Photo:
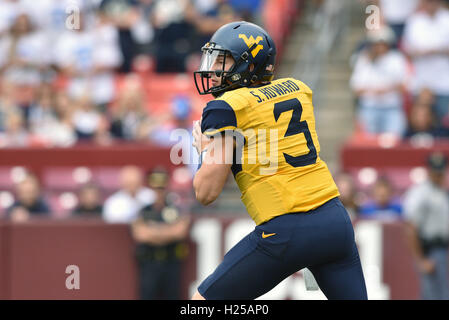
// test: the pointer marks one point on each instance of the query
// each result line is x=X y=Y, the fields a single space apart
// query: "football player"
x=290 y=194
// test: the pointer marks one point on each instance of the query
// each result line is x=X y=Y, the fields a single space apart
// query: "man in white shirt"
x=89 y=57
x=396 y=12
x=378 y=80
x=23 y=53
x=124 y=205
x=426 y=40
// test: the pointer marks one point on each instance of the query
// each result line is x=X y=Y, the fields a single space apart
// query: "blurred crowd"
x=401 y=72
x=400 y=81
x=401 y=84
x=422 y=209
x=122 y=203
x=59 y=61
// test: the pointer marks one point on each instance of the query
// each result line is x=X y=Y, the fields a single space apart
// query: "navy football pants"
x=321 y=240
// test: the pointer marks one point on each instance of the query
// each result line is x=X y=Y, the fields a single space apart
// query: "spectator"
x=395 y=14
x=3 y=116
x=123 y=14
x=378 y=81
x=42 y=110
x=426 y=40
x=383 y=205
x=422 y=124
x=8 y=14
x=15 y=134
x=7 y=104
x=28 y=201
x=168 y=133
x=86 y=119
x=248 y=9
x=23 y=58
x=142 y=30
x=89 y=204
x=88 y=58
x=180 y=112
x=130 y=119
x=426 y=96
x=103 y=135
x=426 y=211
x=172 y=34
x=53 y=17
x=53 y=127
x=124 y=205
x=208 y=16
x=160 y=232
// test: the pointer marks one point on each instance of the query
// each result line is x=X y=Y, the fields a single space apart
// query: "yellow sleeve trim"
x=213 y=132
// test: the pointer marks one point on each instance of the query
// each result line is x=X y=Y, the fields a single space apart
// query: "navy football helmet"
x=253 y=52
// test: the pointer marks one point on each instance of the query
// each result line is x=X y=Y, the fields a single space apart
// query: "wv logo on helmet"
x=249 y=42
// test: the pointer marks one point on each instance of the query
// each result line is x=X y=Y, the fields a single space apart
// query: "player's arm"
x=216 y=149
x=216 y=162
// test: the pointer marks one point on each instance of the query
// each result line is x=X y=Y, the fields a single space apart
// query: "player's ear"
x=251 y=67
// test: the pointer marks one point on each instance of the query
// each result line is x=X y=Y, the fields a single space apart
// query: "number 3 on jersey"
x=296 y=126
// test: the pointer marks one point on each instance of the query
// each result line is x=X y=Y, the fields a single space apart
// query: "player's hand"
x=426 y=266
x=200 y=141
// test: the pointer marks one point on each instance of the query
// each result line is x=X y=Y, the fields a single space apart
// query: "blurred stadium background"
x=89 y=87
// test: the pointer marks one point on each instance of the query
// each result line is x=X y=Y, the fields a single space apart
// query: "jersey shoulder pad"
x=302 y=86
x=236 y=99
x=218 y=116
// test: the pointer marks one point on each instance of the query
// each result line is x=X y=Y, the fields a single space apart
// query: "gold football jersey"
x=278 y=169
